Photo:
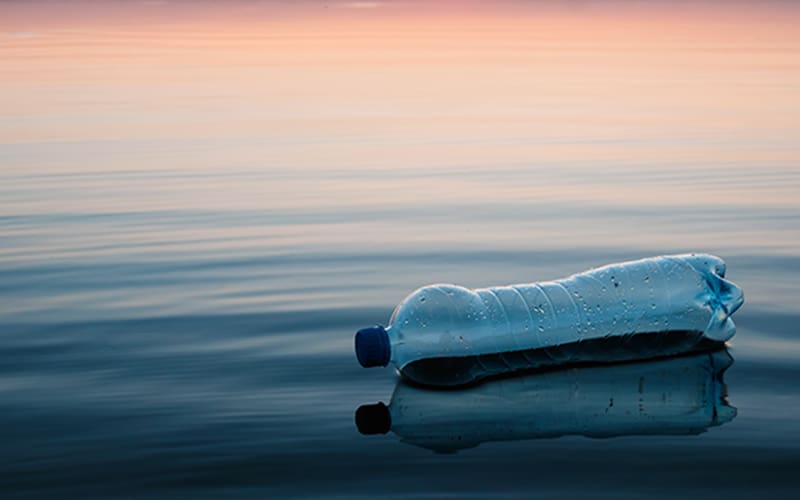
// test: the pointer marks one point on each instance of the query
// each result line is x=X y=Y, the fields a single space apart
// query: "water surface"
x=200 y=203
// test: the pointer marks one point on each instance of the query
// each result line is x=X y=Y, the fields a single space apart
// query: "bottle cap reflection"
x=684 y=395
x=373 y=419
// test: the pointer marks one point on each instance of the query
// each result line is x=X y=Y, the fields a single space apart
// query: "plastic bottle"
x=447 y=335
x=683 y=395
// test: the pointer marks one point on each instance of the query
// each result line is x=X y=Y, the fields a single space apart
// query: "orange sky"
x=22 y=15
x=403 y=82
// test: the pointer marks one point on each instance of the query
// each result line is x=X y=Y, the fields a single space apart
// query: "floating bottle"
x=683 y=395
x=447 y=335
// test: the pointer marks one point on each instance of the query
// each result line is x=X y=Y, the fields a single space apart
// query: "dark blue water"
x=254 y=404
x=192 y=228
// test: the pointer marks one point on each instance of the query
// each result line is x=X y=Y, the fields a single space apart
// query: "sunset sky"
x=509 y=68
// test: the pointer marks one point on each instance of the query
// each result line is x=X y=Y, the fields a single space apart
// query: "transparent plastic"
x=450 y=335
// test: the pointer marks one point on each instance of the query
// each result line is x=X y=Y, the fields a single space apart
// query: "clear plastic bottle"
x=683 y=395
x=447 y=335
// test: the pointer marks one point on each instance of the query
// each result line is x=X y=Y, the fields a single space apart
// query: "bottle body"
x=451 y=335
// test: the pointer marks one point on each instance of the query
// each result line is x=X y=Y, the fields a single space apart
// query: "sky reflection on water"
x=201 y=202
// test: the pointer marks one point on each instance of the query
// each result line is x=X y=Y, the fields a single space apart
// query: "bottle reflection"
x=683 y=395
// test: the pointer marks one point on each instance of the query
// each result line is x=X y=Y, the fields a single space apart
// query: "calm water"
x=200 y=203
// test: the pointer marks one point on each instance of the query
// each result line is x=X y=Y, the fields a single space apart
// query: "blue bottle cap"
x=372 y=346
